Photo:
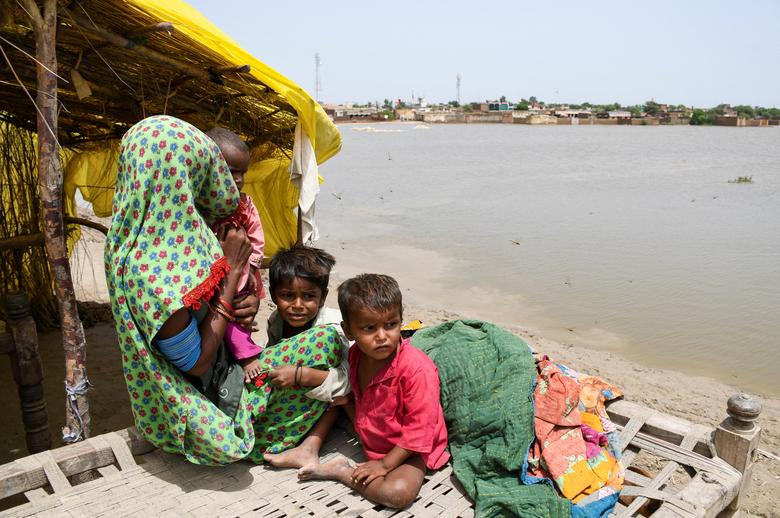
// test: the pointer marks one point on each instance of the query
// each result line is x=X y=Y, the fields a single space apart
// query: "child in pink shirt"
x=237 y=338
x=398 y=414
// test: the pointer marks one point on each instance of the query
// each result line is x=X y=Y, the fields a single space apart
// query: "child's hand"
x=252 y=370
x=283 y=376
x=366 y=472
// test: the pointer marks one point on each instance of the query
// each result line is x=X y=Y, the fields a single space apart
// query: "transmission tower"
x=457 y=87
x=317 y=85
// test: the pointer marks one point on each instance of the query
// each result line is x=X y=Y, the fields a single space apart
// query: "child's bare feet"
x=302 y=455
x=339 y=468
x=252 y=369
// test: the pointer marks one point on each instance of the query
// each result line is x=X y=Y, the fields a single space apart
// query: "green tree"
x=652 y=108
x=387 y=104
x=454 y=104
x=532 y=99
x=769 y=113
x=745 y=111
x=703 y=117
x=502 y=99
x=636 y=110
x=522 y=105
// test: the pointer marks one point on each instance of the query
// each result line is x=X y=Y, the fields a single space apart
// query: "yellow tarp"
x=267 y=181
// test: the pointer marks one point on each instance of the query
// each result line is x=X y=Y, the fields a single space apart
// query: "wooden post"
x=28 y=372
x=736 y=438
x=44 y=23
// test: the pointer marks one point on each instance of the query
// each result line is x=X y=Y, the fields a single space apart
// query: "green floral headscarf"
x=160 y=256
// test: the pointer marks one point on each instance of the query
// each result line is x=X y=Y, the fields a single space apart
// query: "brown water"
x=627 y=238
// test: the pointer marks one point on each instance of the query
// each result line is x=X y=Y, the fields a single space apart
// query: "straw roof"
x=119 y=61
x=132 y=64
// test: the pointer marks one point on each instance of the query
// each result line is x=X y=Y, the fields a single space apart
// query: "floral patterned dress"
x=161 y=256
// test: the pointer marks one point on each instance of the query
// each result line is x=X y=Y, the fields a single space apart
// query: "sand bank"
x=697 y=399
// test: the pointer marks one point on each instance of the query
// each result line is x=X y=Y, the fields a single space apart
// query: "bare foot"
x=302 y=455
x=339 y=468
x=252 y=369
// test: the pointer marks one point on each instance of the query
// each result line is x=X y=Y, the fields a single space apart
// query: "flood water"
x=622 y=238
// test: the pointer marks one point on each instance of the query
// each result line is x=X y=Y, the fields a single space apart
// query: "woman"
x=172 y=284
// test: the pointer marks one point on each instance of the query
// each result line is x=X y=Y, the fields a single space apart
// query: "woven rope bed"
x=131 y=477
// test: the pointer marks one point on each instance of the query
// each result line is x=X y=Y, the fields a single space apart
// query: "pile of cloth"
x=527 y=438
x=576 y=444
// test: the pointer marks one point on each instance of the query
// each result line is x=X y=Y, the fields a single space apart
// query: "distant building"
x=573 y=114
x=405 y=114
x=725 y=120
x=495 y=106
x=619 y=114
x=342 y=112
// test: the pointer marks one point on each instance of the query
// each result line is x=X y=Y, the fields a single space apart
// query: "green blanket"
x=486 y=377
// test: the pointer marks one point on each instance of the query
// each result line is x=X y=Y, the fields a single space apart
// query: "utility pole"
x=457 y=87
x=317 y=85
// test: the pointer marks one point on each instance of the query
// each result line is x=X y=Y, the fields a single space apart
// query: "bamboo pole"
x=50 y=180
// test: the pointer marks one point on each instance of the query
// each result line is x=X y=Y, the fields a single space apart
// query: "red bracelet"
x=225 y=304
x=222 y=311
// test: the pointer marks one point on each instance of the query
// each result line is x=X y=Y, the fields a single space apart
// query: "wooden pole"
x=50 y=180
x=28 y=372
x=736 y=439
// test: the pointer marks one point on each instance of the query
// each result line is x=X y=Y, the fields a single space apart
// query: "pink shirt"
x=254 y=231
x=400 y=406
x=247 y=217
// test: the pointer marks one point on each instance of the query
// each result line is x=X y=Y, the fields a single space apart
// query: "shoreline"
x=368 y=122
x=698 y=399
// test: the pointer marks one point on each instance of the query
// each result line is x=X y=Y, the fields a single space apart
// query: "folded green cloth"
x=487 y=376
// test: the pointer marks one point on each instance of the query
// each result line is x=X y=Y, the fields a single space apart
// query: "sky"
x=699 y=53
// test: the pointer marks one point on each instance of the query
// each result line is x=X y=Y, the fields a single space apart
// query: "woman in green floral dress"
x=172 y=283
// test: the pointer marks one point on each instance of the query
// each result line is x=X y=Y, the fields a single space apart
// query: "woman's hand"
x=236 y=247
x=245 y=310
x=283 y=376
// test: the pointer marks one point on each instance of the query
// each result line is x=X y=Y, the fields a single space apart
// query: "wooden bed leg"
x=736 y=438
x=28 y=372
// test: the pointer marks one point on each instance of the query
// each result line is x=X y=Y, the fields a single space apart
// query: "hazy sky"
x=692 y=52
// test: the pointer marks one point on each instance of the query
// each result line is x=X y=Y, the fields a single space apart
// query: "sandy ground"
x=699 y=400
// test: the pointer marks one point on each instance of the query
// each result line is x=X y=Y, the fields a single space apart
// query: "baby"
x=398 y=414
x=238 y=339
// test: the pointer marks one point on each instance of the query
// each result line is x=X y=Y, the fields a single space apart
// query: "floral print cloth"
x=161 y=256
x=571 y=447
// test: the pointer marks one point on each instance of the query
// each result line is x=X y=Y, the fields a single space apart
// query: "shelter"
x=118 y=62
x=74 y=76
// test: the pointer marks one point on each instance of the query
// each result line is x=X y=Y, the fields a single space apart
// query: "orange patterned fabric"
x=560 y=452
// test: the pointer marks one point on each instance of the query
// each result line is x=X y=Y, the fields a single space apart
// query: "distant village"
x=532 y=111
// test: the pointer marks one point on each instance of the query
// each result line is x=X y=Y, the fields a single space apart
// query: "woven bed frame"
x=131 y=477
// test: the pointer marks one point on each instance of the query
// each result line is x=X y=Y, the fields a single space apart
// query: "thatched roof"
x=136 y=64
x=120 y=61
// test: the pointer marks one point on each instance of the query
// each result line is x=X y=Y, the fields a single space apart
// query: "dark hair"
x=312 y=264
x=224 y=138
x=370 y=290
